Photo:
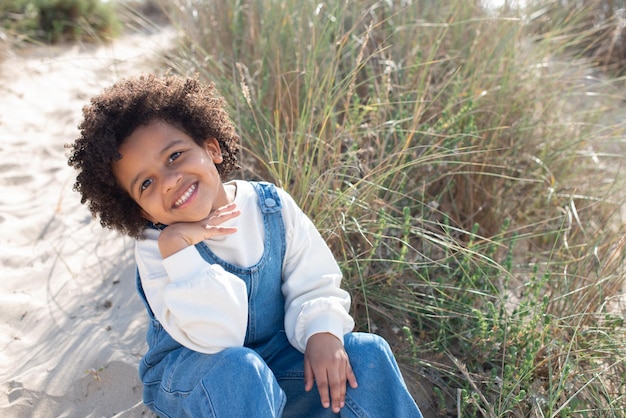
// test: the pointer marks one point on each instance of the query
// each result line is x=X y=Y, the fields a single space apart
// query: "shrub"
x=60 y=20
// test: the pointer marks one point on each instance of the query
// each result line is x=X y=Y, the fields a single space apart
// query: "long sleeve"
x=314 y=301
x=200 y=305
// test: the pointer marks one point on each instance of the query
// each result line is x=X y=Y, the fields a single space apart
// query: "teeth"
x=186 y=196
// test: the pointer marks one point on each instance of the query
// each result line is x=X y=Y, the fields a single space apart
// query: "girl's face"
x=171 y=177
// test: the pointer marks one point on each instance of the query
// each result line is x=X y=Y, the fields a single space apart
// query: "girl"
x=246 y=311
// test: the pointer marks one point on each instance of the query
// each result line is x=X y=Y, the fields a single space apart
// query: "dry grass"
x=464 y=172
x=451 y=161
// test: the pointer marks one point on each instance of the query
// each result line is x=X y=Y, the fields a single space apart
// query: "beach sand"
x=72 y=328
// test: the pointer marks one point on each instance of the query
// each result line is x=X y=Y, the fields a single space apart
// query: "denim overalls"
x=265 y=378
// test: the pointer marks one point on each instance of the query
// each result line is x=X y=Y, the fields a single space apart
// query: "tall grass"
x=594 y=29
x=463 y=174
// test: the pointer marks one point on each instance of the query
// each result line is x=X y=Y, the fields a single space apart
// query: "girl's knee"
x=369 y=352
x=240 y=363
x=231 y=365
x=233 y=382
x=373 y=344
x=240 y=384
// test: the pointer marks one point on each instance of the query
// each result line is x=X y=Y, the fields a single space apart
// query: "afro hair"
x=111 y=117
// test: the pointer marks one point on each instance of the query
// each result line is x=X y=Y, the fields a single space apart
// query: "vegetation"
x=59 y=20
x=594 y=29
x=463 y=166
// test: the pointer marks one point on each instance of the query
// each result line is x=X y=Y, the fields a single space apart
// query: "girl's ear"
x=212 y=148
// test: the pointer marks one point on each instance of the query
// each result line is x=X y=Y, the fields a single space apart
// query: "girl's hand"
x=181 y=235
x=326 y=362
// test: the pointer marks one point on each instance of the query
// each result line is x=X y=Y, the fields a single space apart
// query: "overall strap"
x=142 y=294
x=269 y=201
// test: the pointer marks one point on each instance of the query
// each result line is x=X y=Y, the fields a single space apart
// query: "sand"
x=72 y=328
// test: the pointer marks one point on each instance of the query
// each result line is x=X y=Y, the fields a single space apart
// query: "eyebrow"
x=165 y=150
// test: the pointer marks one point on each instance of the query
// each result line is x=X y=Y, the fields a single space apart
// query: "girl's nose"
x=170 y=180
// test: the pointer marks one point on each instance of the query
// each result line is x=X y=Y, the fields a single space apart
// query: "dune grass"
x=52 y=21
x=465 y=168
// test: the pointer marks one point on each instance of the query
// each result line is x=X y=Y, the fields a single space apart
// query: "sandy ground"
x=71 y=325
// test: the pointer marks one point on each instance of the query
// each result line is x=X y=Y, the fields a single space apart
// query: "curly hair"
x=111 y=117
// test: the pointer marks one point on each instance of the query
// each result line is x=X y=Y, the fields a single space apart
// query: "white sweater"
x=205 y=308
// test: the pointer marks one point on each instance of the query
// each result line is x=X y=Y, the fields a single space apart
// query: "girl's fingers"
x=337 y=391
x=351 y=377
x=226 y=208
x=216 y=231
x=221 y=218
x=222 y=215
x=308 y=376
x=322 y=387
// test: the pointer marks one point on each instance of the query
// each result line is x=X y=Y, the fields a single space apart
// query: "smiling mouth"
x=181 y=200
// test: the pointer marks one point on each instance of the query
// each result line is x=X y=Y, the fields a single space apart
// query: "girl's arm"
x=314 y=301
x=200 y=305
x=316 y=317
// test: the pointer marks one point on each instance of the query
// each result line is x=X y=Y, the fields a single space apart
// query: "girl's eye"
x=173 y=157
x=145 y=184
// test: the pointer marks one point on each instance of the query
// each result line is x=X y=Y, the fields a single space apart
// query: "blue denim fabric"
x=265 y=378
